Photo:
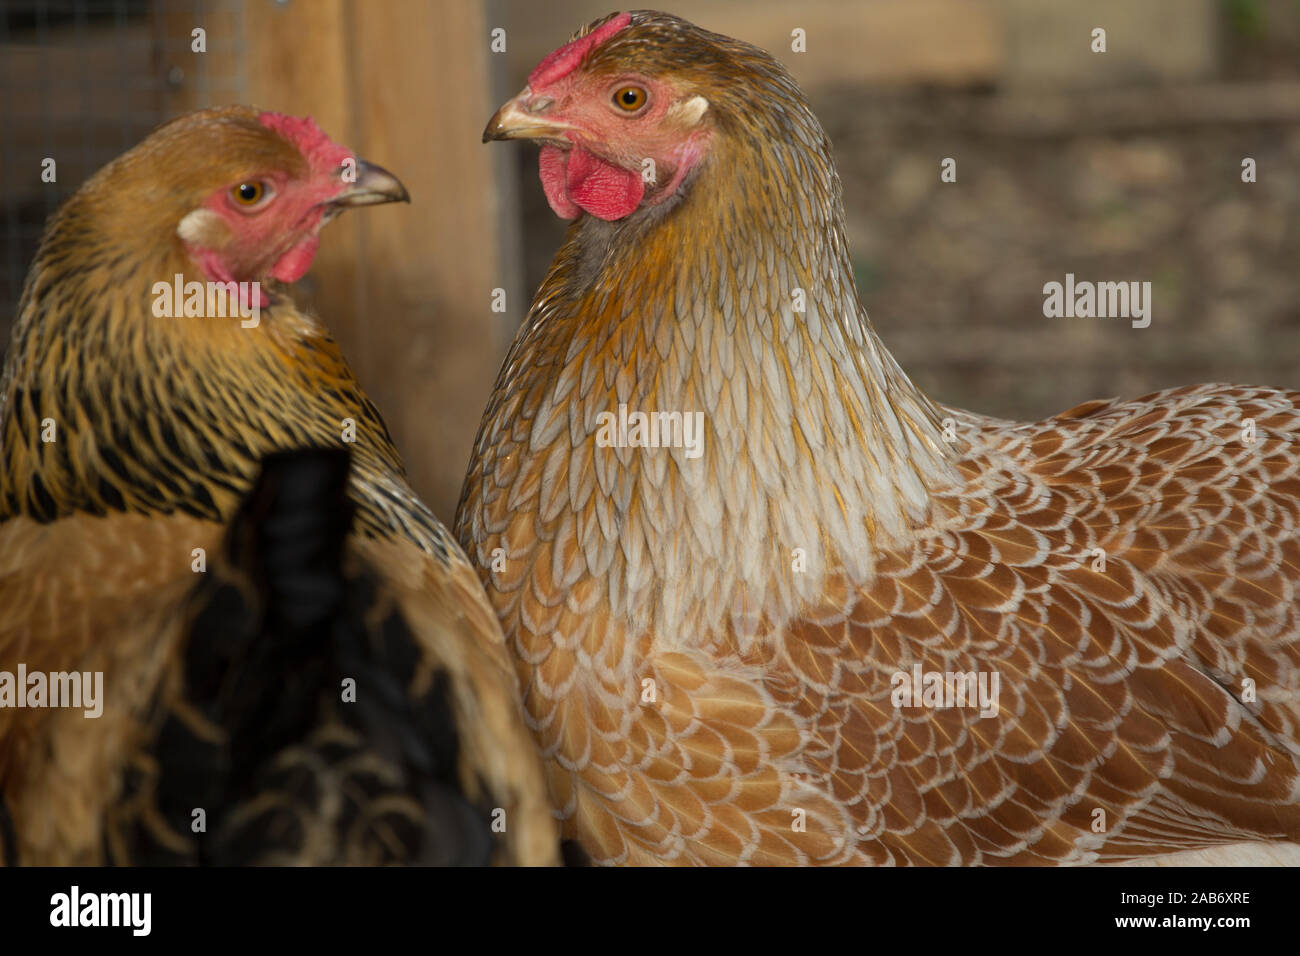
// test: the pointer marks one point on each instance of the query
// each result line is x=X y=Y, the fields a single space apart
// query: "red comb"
x=565 y=60
x=321 y=152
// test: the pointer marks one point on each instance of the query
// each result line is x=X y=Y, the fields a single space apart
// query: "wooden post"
x=405 y=289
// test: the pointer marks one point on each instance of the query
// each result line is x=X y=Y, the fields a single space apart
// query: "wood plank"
x=884 y=41
x=423 y=76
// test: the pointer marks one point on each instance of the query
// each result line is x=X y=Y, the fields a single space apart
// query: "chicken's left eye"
x=630 y=98
x=248 y=194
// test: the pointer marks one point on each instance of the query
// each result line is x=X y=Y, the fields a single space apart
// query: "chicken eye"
x=630 y=98
x=248 y=194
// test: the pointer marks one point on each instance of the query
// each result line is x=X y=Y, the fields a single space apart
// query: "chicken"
x=799 y=613
x=259 y=733
x=128 y=438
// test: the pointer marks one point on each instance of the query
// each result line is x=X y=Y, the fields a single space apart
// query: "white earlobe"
x=689 y=112
x=200 y=227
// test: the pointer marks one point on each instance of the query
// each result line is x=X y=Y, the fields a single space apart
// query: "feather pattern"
x=711 y=677
x=160 y=428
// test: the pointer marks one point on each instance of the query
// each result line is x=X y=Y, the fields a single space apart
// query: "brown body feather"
x=161 y=423
x=703 y=695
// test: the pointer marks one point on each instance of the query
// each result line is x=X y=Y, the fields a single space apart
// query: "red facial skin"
x=278 y=235
x=601 y=173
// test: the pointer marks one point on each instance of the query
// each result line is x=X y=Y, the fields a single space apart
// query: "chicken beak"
x=521 y=118
x=373 y=185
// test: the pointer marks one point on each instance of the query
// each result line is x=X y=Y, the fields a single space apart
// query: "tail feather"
x=295 y=730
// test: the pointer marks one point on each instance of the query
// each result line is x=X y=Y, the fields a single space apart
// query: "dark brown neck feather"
x=171 y=415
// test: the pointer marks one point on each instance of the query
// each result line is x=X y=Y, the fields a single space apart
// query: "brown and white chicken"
x=129 y=440
x=718 y=641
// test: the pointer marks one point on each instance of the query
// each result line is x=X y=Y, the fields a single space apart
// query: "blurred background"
x=1123 y=165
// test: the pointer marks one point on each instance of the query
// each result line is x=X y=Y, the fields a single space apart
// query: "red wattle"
x=603 y=189
x=551 y=168
x=293 y=265
x=578 y=180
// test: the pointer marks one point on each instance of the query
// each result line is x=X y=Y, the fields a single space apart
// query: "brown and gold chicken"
x=128 y=440
x=714 y=641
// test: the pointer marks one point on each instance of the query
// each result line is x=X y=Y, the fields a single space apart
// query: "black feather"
x=295 y=773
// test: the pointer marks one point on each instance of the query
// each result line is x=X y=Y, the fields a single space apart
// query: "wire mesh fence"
x=81 y=81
